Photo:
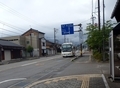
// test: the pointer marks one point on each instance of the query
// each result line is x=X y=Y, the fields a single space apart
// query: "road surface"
x=21 y=74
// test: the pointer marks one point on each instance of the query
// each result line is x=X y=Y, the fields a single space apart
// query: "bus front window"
x=66 y=48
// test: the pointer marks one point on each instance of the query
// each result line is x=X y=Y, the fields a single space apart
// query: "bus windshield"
x=66 y=48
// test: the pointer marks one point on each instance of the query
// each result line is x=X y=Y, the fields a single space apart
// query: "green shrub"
x=97 y=55
x=106 y=56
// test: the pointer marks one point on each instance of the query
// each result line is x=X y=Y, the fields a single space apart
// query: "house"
x=9 y=50
x=42 y=44
x=32 y=38
x=114 y=45
x=50 y=48
x=35 y=39
x=20 y=40
x=115 y=12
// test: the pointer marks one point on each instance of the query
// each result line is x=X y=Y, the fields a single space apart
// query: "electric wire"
x=12 y=11
x=18 y=14
x=9 y=30
x=12 y=26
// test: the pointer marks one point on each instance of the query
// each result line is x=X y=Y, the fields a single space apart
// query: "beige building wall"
x=20 y=40
x=33 y=41
x=14 y=39
x=41 y=35
x=30 y=38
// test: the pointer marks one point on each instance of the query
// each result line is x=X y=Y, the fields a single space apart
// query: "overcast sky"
x=18 y=16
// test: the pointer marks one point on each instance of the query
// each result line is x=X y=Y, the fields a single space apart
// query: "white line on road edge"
x=29 y=64
x=12 y=80
x=36 y=62
x=106 y=84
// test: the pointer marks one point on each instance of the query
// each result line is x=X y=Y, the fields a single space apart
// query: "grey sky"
x=44 y=15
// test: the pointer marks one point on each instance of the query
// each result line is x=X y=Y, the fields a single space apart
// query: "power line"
x=9 y=30
x=16 y=13
x=12 y=26
x=6 y=34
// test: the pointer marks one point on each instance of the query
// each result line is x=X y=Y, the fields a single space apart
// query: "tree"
x=30 y=50
x=95 y=36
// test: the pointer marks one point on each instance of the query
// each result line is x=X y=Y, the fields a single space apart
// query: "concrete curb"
x=105 y=81
x=74 y=59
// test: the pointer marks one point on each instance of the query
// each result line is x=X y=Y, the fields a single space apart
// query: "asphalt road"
x=23 y=73
x=18 y=75
x=84 y=65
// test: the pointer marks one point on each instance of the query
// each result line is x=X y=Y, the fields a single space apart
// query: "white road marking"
x=35 y=62
x=29 y=64
x=98 y=66
x=12 y=80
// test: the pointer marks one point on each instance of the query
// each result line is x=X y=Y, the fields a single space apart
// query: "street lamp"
x=80 y=30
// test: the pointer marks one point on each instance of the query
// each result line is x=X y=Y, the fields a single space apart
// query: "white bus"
x=67 y=50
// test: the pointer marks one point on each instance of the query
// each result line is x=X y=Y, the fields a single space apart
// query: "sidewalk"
x=76 y=81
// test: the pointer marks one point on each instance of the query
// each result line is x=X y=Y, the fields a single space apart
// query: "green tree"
x=30 y=50
x=95 y=37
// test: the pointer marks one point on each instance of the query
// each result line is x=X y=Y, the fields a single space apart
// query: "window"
x=27 y=42
x=66 y=46
x=43 y=44
x=13 y=40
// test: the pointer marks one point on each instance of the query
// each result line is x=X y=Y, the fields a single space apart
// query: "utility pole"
x=99 y=21
x=64 y=38
x=55 y=31
x=92 y=14
x=80 y=30
x=67 y=39
x=103 y=30
x=81 y=38
x=0 y=54
x=99 y=15
x=54 y=35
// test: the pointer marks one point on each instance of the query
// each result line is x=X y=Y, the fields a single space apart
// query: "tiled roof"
x=115 y=12
x=8 y=43
x=33 y=30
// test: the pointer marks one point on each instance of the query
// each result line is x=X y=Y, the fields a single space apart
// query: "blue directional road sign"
x=67 y=29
